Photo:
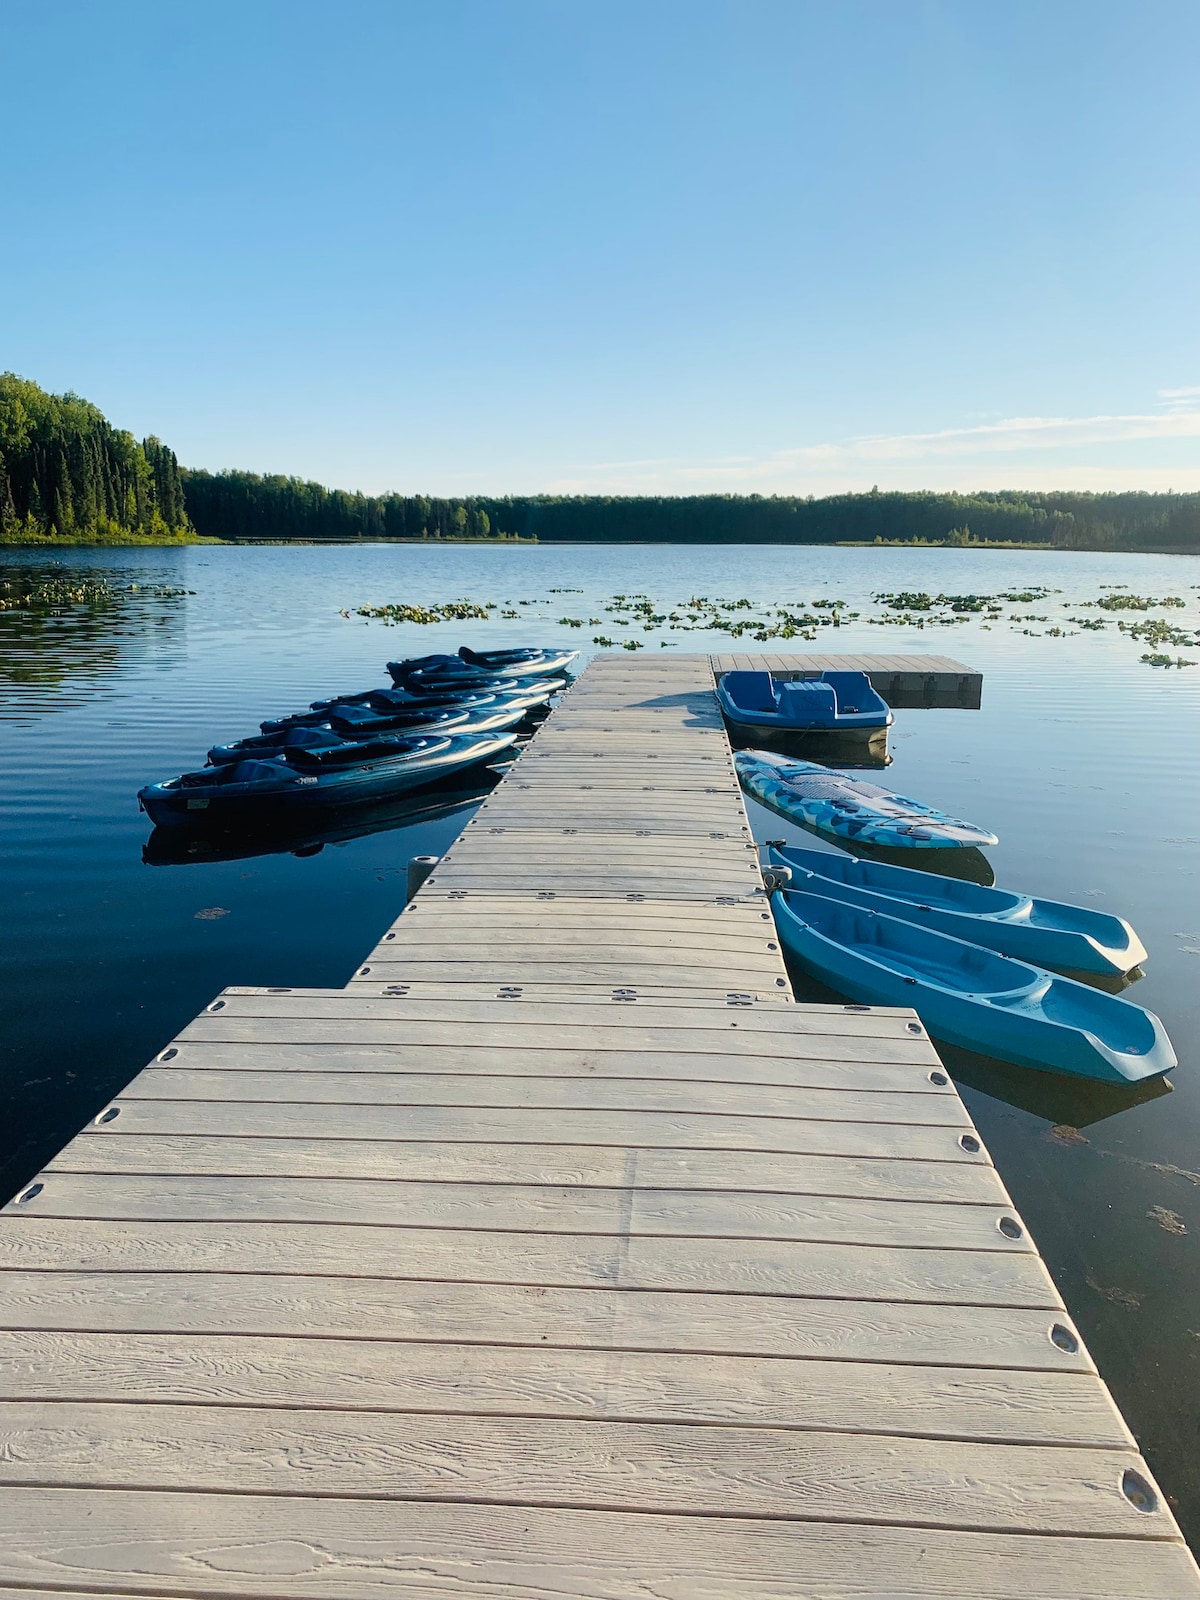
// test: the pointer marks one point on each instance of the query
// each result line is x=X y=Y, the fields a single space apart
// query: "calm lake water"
x=1083 y=760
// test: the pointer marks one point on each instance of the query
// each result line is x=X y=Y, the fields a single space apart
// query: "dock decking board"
x=561 y=1253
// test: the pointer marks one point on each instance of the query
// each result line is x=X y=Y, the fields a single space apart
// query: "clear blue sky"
x=666 y=245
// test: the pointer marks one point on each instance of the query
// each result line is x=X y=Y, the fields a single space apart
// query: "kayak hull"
x=280 y=789
x=846 y=807
x=970 y=996
x=1043 y=932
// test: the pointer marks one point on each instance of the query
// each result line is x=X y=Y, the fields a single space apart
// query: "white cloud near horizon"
x=958 y=453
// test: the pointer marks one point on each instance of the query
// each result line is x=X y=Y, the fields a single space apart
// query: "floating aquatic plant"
x=451 y=611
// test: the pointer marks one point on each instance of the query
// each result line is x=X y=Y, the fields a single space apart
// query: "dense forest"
x=241 y=505
x=67 y=473
x=244 y=505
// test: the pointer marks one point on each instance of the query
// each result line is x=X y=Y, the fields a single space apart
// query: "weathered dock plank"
x=560 y=1253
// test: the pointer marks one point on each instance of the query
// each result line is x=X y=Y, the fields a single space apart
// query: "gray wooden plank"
x=813 y=1269
x=464 y=967
x=318 y=1004
x=930 y=1134
x=654 y=1467
x=262 y=1546
x=634 y=1211
x=577 y=1165
x=800 y=1329
x=822 y=1062
x=348 y=1374
x=447 y=982
x=940 y=1106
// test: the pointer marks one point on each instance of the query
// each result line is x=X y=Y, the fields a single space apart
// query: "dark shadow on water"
x=185 y=846
x=1059 y=1098
x=847 y=752
x=969 y=863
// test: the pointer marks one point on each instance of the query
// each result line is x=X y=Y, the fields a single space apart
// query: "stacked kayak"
x=836 y=702
x=1045 y=932
x=971 y=996
x=326 y=735
x=470 y=667
x=306 y=777
x=512 y=703
x=849 y=808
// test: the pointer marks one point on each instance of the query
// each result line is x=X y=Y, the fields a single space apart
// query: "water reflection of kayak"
x=307 y=836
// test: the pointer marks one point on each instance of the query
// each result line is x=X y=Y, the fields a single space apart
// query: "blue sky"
x=589 y=245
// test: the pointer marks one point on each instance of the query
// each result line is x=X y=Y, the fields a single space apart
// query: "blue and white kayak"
x=468 y=670
x=845 y=806
x=1044 y=932
x=307 y=779
x=527 y=661
x=836 y=702
x=422 y=692
x=387 y=703
x=970 y=996
x=324 y=736
x=361 y=722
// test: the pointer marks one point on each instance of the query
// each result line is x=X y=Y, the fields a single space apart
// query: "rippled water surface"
x=1082 y=759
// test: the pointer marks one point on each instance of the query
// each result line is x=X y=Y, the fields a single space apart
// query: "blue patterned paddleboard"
x=837 y=803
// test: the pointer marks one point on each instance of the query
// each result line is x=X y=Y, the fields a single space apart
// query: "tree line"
x=66 y=472
x=242 y=505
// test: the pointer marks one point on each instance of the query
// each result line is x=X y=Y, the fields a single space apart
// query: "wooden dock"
x=559 y=1255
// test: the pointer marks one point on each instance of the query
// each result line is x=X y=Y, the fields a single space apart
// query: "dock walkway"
x=559 y=1255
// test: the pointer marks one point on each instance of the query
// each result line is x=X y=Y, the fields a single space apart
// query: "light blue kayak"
x=1042 y=931
x=849 y=808
x=835 y=702
x=970 y=996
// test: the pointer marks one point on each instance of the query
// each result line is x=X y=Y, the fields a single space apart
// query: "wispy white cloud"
x=944 y=457
x=1185 y=400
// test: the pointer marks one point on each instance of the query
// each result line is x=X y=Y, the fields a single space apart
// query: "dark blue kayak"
x=324 y=735
x=970 y=996
x=310 y=778
x=1045 y=932
x=469 y=666
x=360 y=722
x=836 y=702
x=397 y=702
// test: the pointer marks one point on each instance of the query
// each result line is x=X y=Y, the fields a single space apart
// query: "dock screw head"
x=1138 y=1492
x=1063 y=1338
x=969 y=1143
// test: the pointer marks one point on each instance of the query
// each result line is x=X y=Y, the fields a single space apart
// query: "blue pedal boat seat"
x=834 y=702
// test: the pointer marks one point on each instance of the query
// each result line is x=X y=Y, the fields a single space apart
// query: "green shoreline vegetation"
x=68 y=477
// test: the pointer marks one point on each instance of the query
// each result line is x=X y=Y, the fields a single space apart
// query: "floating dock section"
x=903 y=681
x=561 y=1254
